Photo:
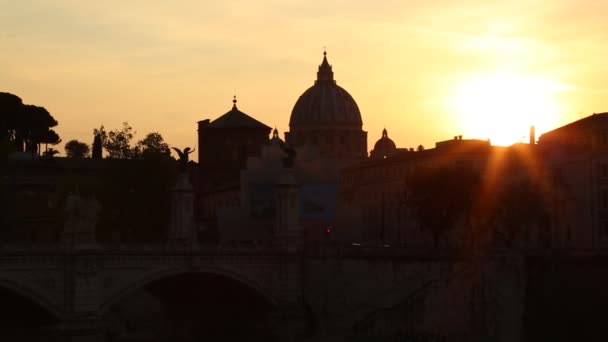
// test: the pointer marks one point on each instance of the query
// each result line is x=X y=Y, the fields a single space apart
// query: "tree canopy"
x=117 y=144
x=97 y=152
x=153 y=143
x=76 y=149
x=10 y=105
x=522 y=206
x=25 y=126
x=440 y=197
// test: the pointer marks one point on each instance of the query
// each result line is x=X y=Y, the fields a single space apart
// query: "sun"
x=502 y=106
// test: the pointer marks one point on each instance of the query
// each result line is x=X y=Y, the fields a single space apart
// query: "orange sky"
x=426 y=72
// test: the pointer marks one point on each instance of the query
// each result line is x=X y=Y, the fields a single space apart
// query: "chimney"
x=532 y=136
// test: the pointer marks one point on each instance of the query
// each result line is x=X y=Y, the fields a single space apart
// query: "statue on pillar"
x=183 y=157
x=287 y=220
x=182 y=227
x=82 y=214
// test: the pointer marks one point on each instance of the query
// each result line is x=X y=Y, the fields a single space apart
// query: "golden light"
x=502 y=106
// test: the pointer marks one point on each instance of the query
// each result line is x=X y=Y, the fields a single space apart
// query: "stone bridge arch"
x=36 y=296
x=124 y=291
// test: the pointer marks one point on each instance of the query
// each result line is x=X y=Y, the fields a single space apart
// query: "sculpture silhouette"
x=183 y=156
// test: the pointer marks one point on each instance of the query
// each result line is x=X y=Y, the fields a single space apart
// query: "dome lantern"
x=325 y=73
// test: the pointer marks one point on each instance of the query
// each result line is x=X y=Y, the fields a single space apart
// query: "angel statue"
x=183 y=156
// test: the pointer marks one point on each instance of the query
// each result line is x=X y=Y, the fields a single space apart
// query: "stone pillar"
x=287 y=228
x=78 y=329
x=289 y=323
x=79 y=228
x=182 y=227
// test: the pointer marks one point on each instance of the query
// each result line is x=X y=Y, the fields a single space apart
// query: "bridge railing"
x=140 y=248
x=322 y=250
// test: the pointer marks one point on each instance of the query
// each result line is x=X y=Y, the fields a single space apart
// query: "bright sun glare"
x=503 y=106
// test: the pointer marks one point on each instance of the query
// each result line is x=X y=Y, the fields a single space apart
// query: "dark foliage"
x=76 y=149
x=25 y=126
x=50 y=153
x=521 y=205
x=117 y=143
x=10 y=106
x=33 y=126
x=97 y=147
x=50 y=137
x=152 y=144
x=441 y=197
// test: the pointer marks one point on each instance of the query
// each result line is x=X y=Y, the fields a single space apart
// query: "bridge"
x=286 y=288
x=78 y=285
x=301 y=293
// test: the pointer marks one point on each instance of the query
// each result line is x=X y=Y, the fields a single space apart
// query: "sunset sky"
x=424 y=71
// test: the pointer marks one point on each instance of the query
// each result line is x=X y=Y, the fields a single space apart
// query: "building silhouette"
x=239 y=164
x=328 y=117
x=309 y=238
x=224 y=145
x=575 y=158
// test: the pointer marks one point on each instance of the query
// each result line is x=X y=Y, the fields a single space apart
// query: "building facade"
x=373 y=207
x=576 y=161
x=240 y=165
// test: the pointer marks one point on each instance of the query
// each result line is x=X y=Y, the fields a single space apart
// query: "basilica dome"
x=325 y=103
x=327 y=118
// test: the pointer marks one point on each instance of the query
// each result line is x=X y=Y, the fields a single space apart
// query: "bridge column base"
x=290 y=324
x=80 y=329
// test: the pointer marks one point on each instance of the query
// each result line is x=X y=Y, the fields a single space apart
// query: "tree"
x=50 y=137
x=522 y=206
x=50 y=153
x=33 y=127
x=10 y=105
x=76 y=149
x=153 y=143
x=118 y=142
x=97 y=145
x=25 y=126
x=441 y=197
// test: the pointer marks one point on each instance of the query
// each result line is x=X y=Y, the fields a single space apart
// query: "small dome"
x=384 y=146
x=275 y=140
x=325 y=103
